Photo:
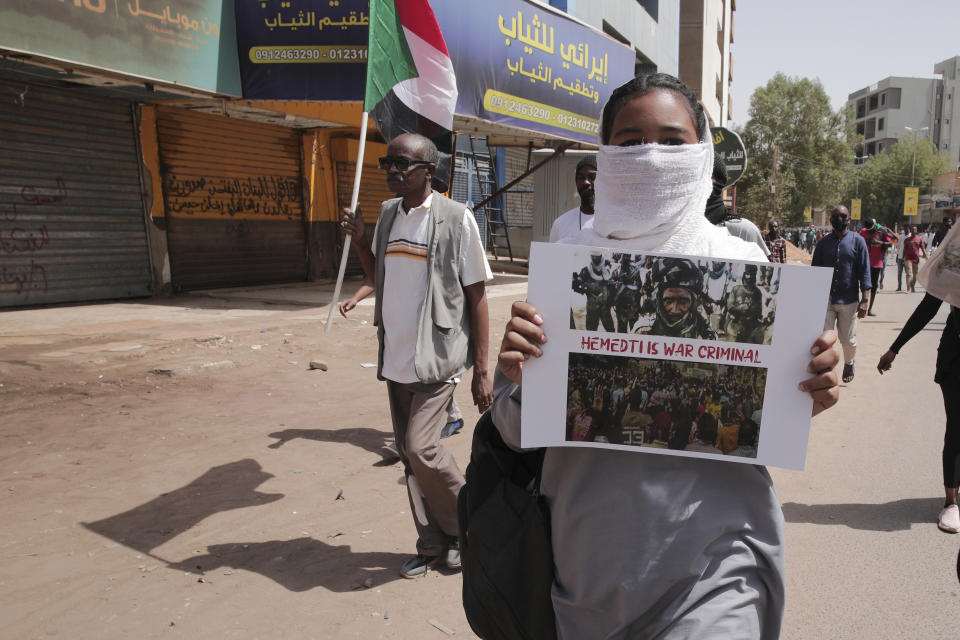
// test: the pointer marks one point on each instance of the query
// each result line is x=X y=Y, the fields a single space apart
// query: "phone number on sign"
x=308 y=54
x=581 y=124
x=510 y=105
x=506 y=104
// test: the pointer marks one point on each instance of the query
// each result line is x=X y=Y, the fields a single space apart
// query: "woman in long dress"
x=649 y=546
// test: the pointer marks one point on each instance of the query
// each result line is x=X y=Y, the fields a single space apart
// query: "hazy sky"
x=847 y=44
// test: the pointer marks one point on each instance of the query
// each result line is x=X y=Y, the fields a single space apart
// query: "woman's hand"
x=824 y=386
x=521 y=340
x=886 y=361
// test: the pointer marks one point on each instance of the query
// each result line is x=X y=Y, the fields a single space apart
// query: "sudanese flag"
x=411 y=87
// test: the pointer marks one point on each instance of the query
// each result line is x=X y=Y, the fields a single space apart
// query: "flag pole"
x=353 y=207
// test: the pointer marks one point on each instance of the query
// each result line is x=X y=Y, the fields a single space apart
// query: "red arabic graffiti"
x=26 y=239
x=32 y=197
x=25 y=279
x=20 y=240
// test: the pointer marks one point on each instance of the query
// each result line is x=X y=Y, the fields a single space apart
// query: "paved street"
x=171 y=468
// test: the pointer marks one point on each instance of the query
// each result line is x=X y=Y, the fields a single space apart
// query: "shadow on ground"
x=899 y=515
x=301 y=564
x=367 y=439
x=222 y=488
x=298 y=565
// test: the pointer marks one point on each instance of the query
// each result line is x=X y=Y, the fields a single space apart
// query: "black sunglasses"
x=401 y=163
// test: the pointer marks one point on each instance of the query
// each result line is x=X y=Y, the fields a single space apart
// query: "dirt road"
x=173 y=469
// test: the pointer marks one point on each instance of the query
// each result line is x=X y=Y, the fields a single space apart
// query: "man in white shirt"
x=428 y=267
x=567 y=227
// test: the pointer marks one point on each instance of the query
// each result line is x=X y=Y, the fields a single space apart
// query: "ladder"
x=497 y=228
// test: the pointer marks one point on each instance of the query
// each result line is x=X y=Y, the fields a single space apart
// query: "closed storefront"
x=373 y=186
x=233 y=200
x=72 y=221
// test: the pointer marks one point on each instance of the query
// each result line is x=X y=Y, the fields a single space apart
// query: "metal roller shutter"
x=373 y=191
x=233 y=197
x=72 y=222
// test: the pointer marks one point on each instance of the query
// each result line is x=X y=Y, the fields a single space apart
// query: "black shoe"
x=417 y=565
x=871 y=313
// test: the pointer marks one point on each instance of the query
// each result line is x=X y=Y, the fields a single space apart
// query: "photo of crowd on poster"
x=620 y=292
x=695 y=407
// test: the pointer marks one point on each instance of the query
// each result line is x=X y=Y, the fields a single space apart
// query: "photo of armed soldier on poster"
x=694 y=407
x=620 y=292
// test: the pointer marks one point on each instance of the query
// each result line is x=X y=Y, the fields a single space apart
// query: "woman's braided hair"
x=642 y=85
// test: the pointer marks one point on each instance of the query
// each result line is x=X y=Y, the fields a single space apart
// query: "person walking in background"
x=900 y=242
x=941 y=233
x=947 y=375
x=846 y=253
x=913 y=248
x=719 y=214
x=428 y=268
x=776 y=245
x=568 y=226
x=878 y=238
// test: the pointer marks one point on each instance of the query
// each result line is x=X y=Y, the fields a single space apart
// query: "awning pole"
x=556 y=152
x=353 y=207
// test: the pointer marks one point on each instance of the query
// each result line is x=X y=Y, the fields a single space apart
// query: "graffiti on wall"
x=20 y=236
x=261 y=197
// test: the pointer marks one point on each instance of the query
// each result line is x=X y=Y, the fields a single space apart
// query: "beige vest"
x=444 y=348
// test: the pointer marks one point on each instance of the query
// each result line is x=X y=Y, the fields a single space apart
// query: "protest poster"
x=676 y=355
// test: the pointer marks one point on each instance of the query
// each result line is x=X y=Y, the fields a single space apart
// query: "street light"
x=913 y=162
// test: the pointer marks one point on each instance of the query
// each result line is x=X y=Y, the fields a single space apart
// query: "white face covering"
x=655 y=191
x=653 y=197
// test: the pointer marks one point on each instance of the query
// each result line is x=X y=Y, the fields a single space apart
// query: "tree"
x=883 y=177
x=798 y=144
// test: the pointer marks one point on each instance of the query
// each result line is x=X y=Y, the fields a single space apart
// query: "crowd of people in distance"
x=806 y=238
x=676 y=297
x=698 y=407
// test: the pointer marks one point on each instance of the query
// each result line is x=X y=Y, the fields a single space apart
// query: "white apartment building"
x=946 y=121
x=925 y=107
x=894 y=107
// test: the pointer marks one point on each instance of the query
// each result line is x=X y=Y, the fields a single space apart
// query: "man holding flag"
x=428 y=268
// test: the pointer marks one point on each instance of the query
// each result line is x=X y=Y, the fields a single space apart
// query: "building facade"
x=894 y=107
x=706 y=60
x=897 y=106
x=946 y=122
x=649 y=27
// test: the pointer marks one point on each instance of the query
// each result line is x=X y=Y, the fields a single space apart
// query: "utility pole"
x=773 y=185
x=913 y=162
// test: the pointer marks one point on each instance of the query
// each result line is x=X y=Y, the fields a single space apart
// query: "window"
x=946 y=146
x=949 y=96
x=883 y=100
x=946 y=121
x=652 y=7
x=880 y=124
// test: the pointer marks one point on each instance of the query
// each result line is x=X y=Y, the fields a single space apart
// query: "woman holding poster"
x=650 y=546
